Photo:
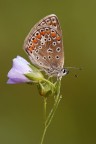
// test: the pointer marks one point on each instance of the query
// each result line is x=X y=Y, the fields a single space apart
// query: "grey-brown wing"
x=44 y=43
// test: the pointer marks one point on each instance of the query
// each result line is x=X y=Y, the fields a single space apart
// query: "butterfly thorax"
x=57 y=72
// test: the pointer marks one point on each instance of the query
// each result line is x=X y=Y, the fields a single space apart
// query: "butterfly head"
x=63 y=72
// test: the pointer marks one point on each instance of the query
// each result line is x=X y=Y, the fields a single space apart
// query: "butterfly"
x=44 y=46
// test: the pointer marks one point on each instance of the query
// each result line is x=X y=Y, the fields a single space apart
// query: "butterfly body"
x=44 y=46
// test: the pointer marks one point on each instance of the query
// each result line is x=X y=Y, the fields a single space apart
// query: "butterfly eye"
x=64 y=70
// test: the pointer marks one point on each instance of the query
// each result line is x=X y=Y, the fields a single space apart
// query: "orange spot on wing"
x=30 y=49
x=42 y=32
x=35 y=40
x=58 y=38
x=39 y=36
x=53 y=34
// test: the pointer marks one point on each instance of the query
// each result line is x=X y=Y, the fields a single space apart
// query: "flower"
x=23 y=72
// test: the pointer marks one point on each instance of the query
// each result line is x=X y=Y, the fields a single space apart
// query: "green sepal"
x=45 y=89
x=36 y=76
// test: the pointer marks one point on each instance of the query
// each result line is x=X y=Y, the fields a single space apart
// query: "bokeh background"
x=21 y=107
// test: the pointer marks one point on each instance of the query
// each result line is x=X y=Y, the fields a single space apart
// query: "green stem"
x=49 y=119
x=51 y=114
x=45 y=107
x=57 y=97
x=50 y=83
x=53 y=110
x=44 y=132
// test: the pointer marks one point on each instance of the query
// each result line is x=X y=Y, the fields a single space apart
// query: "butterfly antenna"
x=73 y=68
x=76 y=75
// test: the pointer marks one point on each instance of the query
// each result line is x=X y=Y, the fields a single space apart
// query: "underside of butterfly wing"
x=44 y=45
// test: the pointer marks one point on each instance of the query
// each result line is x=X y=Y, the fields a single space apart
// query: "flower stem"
x=45 y=107
x=44 y=132
x=53 y=110
x=50 y=83
x=49 y=119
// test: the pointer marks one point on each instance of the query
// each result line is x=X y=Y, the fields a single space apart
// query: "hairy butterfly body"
x=44 y=46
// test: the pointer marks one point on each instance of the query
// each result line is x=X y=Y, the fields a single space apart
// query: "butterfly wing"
x=44 y=44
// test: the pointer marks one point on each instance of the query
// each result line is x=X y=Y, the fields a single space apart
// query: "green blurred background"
x=21 y=107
